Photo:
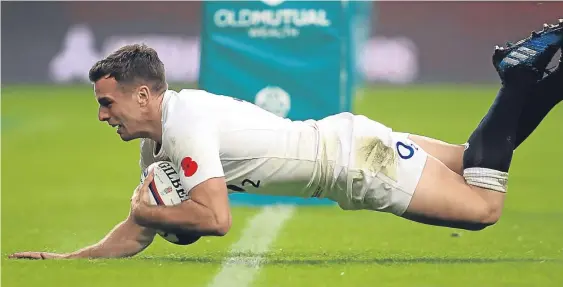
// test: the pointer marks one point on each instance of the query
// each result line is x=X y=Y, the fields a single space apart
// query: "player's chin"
x=126 y=137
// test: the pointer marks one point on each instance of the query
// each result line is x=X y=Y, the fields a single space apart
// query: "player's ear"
x=143 y=95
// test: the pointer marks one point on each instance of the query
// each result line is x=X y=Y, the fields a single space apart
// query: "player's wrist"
x=68 y=256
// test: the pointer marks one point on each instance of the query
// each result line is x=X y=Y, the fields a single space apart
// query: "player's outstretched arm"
x=124 y=240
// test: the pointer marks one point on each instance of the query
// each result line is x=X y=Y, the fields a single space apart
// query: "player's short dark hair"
x=132 y=64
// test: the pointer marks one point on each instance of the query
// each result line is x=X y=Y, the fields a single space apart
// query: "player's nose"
x=103 y=115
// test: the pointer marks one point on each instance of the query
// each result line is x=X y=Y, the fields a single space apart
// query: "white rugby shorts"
x=387 y=180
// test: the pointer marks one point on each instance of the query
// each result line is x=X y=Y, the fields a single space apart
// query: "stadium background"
x=66 y=180
x=442 y=42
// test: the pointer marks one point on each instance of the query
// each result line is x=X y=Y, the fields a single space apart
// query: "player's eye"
x=105 y=103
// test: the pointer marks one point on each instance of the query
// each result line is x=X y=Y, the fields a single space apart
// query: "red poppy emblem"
x=189 y=166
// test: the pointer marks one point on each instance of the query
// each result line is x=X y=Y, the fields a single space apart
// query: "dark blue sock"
x=493 y=141
x=547 y=94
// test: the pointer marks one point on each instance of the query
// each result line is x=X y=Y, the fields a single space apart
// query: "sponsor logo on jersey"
x=189 y=166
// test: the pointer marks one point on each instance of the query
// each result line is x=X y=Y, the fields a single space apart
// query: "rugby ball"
x=166 y=189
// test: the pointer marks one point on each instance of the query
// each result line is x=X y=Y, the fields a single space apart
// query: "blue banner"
x=293 y=58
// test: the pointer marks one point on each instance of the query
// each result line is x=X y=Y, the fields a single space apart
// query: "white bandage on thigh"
x=486 y=178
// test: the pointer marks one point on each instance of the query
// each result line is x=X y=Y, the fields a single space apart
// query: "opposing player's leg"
x=475 y=200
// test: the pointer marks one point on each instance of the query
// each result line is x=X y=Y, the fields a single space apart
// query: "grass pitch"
x=67 y=180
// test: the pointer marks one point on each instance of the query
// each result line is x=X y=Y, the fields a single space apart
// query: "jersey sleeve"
x=194 y=151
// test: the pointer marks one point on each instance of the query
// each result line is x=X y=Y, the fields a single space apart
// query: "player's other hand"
x=36 y=255
x=140 y=198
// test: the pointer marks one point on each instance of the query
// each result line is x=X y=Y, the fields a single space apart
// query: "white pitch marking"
x=260 y=232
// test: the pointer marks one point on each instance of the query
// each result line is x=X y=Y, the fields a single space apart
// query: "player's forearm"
x=105 y=250
x=124 y=240
x=190 y=216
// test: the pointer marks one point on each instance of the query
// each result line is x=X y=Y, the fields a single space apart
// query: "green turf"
x=67 y=179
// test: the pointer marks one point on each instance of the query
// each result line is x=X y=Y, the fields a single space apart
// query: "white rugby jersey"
x=207 y=136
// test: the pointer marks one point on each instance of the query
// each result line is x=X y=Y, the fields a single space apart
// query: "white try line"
x=262 y=229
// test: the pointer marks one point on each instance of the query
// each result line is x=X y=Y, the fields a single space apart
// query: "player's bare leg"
x=450 y=155
x=443 y=198
x=475 y=200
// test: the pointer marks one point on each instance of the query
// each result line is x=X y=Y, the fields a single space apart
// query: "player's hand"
x=140 y=198
x=36 y=255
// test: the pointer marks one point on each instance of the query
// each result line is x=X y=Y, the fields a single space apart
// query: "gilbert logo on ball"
x=274 y=100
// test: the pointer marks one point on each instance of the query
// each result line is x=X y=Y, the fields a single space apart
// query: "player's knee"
x=489 y=215
x=490 y=220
